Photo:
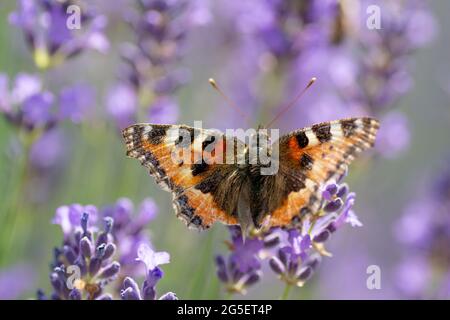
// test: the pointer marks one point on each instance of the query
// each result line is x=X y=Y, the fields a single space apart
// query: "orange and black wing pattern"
x=311 y=157
x=191 y=163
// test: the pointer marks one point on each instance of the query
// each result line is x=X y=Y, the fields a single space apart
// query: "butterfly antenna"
x=291 y=104
x=229 y=102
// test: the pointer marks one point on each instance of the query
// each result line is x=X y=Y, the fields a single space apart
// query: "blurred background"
x=67 y=87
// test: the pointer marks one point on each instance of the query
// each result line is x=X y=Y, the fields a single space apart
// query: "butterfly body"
x=222 y=178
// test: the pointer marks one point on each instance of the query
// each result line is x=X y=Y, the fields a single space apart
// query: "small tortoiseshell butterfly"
x=237 y=193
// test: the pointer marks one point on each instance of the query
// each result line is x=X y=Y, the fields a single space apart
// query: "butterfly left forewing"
x=189 y=163
x=312 y=156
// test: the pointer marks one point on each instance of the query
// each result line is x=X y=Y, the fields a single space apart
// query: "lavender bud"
x=221 y=269
x=331 y=227
x=276 y=265
x=283 y=256
x=252 y=279
x=75 y=294
x=169 y=296
x=271 y=240
x=343 y=190
x=332 y=188
x=293 y=266
x=54 y=296
x=334 y=205
x=40 y=295
x=129 y=282
x=78 y=235
x=70 y=254
x=305 y=274
x=102 y=239
x=110 y=249
x=100 y=251
x=148 y=292
x=81 y=263
x=109 y=222
x=129 y=294
x=84 y=221
x=322 y=236
x=94 y=265
x=56 y=282
x=314 y=262
x=110 y=270
x=86 y=247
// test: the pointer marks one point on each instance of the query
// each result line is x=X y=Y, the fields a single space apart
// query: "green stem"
x=287 y=290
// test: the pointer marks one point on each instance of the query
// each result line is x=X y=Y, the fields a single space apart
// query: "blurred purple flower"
x=76 y=103
x=98 y=243
x=122 y=105
x=151 y=259
x=149 y=75
x=164 y=110
x=394 y=135
x=424 y=232
x=37 y=110
x=242 y=268
x=45 y=27
x=48 y=150
x=293 y=254
x=15 y=281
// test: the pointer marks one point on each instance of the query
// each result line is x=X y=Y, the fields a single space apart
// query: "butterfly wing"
x=310 y=157
x=192 y=164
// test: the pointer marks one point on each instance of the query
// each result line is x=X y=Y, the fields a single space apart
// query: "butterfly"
x=236 y=192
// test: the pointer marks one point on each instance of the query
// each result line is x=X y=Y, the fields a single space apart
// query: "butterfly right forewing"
x=311 y=157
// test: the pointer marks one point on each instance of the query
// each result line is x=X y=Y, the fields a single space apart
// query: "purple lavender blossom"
x=293 y=254
x=76 y=103
x=97 y=248
x=151 y=259
x=242 y=268
x=149 y=76
x=26 y=105
x=394 y=135
x=45 y=25
x=130 y=221
x=15 y=281
x=424 y=232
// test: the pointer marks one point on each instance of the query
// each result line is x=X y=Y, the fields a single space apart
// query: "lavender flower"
x=84 y=265
x=151 y=259
x=293 y=254
x=424 y=232
x=242 y=268
x=15 y=281
x=94 y=258
x=360 y=71
x=149 y=76
x=45 y=25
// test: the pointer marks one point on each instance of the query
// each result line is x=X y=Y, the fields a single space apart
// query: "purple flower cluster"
x=55 y=32
x=27 y=105
x=58 y=30
x=424 y=232
x=360 y=70
x=149 y=75
x=293 y=254
x=98 y=256
x=382 y=72
x=130 y=288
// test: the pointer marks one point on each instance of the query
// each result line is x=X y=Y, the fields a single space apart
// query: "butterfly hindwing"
x=190 y=163
x=312 y=156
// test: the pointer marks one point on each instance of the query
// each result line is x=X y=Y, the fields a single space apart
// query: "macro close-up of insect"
x=317 y=167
